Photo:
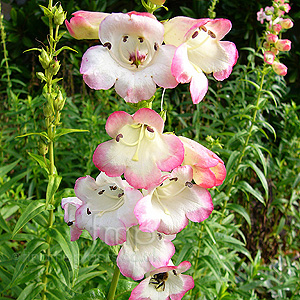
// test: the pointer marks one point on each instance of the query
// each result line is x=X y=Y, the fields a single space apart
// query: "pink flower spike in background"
x=131 y=57
x=144 y=250
x=164 y=283
x=200 y=51
x=169 y=207
x=106 y=209
x=139 y=148
x=261 y=16
x=85 y=24
x=208 y=169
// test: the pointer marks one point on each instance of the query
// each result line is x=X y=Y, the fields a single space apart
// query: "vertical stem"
x=114 y=283
x=232 y=182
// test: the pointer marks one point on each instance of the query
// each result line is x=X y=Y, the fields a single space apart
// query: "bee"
x=159 y=280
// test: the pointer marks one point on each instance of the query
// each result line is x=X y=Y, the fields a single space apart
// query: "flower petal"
x=198 y=87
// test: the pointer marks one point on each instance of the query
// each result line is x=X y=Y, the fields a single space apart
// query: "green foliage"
x=247 y=249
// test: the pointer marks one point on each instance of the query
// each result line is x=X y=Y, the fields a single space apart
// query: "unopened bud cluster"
x=276 y=23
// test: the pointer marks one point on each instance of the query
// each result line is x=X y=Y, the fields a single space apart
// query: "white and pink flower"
x=208 y=169
x=168 y=207
x=200 y=51
x=85 y=24
x=104 y=208
x=279 y=68
x=139 y=149
x=164 y=283
x=144 y=250
x=131 y=57
x=269 y=57
x=283 y=45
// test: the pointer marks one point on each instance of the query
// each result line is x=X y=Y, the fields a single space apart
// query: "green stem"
x=114 y=283
x=232 y=182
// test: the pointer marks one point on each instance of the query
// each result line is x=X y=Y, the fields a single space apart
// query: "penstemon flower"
x=106 y=209
x=85 y=24
x=139 y=149
x=144 y=250
x=168 y=207
x=131 y=57
x=164 y=283
x=208 y=169
x=200 y=51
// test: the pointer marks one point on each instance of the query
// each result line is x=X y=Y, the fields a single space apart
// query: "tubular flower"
x=70 y=205
x=139 y=149
x=164 y=283
x=107 y=207
x=200 y=51
x=168 y=207
x=131 y=57
x=85 y=24
x=269 y=57
x=208 y=169
x=144 y=250
x=279 y=68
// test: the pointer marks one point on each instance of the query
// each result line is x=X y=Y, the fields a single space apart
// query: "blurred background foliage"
x=247 y=249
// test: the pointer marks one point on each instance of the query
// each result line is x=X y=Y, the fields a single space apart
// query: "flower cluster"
x=151 y=183
x=276 y=23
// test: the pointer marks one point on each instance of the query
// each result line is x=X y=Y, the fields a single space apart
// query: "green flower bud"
x=47 y=111
x=54 y=67
x=43 y=148
x=59 y=101
x=44 y=59
x=59 y=16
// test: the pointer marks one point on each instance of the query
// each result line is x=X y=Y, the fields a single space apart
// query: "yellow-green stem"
x=232 y=182
x=114 y=283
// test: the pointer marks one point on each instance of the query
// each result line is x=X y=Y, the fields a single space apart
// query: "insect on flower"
x=159 y=280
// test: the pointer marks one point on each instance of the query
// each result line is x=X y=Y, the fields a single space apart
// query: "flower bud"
x=44 y=59
x=43 y=148
x=286 y=23
x=277 y=28
x=279 y=68
x=271 y=38
x=269 y=57
x=59 y=101
x=47 y=111
x=274 y=50
x=54 y=67
x=283 y=45
x=158 y=2
x=59 y=16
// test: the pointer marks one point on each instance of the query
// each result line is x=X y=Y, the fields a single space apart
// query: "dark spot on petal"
x=107 y=45
x=155 y=46
x=175 y=179
x=120 y=195
x=141 y=39
x=195 y=34
x=174 y=272
x=150 y=129
x=113 y=187
x=125 y=38
x=70 y=223
x=88 y=211
x=189 y=184
x=101 y=192
x=159 y=235
x=119 y=136
x=211 y=34
x=203 y=28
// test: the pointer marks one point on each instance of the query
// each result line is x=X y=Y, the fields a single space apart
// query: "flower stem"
x=114 y=283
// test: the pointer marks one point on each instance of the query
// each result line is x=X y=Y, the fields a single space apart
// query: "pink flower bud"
x=277 y=28
x=283 y=45
x=286 y=7
x=266 y=45
x=271 y=38
x=279 y=68
x=269 y=57
x=286 y=23
x=274 y=50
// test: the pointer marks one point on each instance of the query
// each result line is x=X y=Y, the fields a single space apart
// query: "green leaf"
x=94 y=294
x=86 y=277
x=33 y=247
x=252 y=83
x=4 y=225
x=64 y=48
x=31 y=291
x=7 y=185
x=261 y=157
x=53 y=185
x=261 y=176
x=240 y=210
x=245 y=186
x=42 y=161
x=211 y=263
x=34 y=208
x=4 y=170
x=70 y=249
x=43 y=134
x=64 y=131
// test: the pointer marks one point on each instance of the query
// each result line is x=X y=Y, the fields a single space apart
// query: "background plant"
x=248 y=249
